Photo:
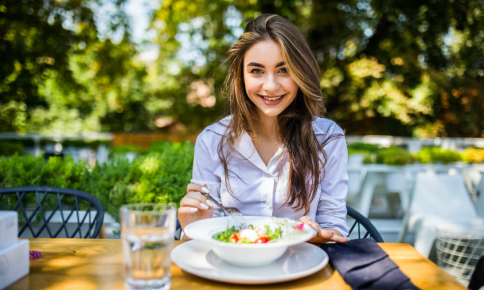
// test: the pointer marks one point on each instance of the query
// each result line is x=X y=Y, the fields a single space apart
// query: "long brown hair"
x=295 y=122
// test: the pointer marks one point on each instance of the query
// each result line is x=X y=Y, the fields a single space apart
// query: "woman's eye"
x=256 y=71
x=283 y=70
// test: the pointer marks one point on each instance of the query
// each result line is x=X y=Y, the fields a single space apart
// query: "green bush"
x=473 y=155
x=160 y=176
x=36 y=171
x=394 y=156
x=360 y=147
x=366 y=149
x=437 y=155
x=8 y=148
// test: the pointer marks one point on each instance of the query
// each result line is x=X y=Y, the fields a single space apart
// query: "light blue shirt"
x=262 y=190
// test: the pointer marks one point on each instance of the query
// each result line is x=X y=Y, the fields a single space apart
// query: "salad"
x=281 y=229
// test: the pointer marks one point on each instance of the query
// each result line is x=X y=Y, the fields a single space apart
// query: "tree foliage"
x=59 y=73
x=388 y=67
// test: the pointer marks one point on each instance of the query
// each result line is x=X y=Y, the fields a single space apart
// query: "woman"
x=273 y=155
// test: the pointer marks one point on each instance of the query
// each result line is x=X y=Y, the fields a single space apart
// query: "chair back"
x=361 y=226
x=480 y=198
x=477 y=278
x=440 y=195
x=50 y=212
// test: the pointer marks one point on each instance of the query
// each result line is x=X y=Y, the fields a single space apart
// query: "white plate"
x=298 y=261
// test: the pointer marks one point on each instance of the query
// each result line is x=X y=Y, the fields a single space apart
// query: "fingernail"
x=204 y=189
x=193 y=209
x=202 y=205
x=210 y=203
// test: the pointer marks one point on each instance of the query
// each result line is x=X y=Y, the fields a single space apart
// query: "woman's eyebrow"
x=255 y=64
x=262 y=66
x=280 y=64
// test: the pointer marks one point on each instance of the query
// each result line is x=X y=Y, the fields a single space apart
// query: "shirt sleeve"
x=331 y=212
x=204 y=164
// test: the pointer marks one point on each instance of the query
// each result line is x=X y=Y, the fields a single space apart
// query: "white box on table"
x=8 y=228
x=14 y=262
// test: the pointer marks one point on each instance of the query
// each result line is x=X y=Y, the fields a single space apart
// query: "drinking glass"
x=147 y=233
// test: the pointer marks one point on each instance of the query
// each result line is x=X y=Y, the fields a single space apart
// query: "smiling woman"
x=274 y=155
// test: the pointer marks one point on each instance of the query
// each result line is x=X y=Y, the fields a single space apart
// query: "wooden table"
x=97 y=264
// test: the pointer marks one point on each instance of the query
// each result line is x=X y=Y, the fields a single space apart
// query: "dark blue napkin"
x=364 y=265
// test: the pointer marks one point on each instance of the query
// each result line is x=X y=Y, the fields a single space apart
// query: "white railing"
x=414 y=145
x=54 y=138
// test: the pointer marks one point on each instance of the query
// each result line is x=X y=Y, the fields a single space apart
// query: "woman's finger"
x=187 y=210
x=326 y=235
x=339 y=239
x=310 y=222
x=198 y=196
x=196 y=187
x=195 y=199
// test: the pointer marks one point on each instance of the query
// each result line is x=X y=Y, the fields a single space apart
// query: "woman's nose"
x=271 y=83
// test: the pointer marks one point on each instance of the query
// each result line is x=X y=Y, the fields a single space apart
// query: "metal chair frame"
x=41 y=193
x=477 y=278
x=362 y=221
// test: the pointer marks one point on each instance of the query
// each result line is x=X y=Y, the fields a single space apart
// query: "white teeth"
x=272 y=99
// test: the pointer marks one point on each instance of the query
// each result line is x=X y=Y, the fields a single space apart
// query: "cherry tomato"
x=235 y=238
x=262 y=240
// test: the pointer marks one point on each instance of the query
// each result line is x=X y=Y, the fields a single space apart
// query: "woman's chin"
x=271 y=113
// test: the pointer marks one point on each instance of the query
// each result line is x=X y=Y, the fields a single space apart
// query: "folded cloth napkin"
x=364 y=265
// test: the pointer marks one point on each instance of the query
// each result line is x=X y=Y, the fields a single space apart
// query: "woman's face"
x=267 y=80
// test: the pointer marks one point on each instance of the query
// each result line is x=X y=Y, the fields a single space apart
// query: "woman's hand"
x=194 y=206
x=323 y=235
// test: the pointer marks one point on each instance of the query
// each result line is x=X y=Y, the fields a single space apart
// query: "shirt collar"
x=245 y=146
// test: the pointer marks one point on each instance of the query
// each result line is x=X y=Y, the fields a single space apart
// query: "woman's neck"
x=268 y=129
x=267 y=142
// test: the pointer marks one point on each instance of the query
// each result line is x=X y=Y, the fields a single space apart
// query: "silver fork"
x=233 y=212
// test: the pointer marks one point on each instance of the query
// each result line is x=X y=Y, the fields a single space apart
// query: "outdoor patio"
x=110 y=109
x=396 y=198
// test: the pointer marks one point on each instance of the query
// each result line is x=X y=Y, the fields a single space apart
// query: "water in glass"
x=146 y=252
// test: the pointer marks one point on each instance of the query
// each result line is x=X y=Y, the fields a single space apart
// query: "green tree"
x=389 y=67
x=60 y=73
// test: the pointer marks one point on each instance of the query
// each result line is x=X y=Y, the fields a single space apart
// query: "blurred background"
x=401 y=68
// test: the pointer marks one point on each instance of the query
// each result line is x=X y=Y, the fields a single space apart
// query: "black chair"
x=178 y=230
x=363 y=225
x=53 y=212
x=477 y=278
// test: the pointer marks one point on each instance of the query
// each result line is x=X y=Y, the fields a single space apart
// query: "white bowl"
x=247 y=255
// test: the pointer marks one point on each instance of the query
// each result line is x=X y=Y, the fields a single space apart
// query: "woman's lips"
x=272 y=102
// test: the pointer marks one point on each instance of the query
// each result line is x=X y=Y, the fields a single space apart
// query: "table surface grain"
x=97 y=264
